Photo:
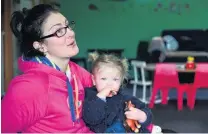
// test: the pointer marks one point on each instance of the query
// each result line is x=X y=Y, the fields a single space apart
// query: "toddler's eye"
x=103 y=78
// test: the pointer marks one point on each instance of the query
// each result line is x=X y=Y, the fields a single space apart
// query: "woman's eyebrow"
x=58 y=24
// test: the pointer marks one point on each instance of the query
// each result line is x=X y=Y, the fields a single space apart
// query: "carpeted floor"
x=185 y=121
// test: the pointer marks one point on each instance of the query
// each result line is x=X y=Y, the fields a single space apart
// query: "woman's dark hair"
x=27 y=27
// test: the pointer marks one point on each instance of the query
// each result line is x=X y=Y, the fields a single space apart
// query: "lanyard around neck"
x=73 y=106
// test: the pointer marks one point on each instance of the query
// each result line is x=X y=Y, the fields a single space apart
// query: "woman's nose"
x=70 y=32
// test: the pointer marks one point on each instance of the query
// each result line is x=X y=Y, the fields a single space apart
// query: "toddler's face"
x=107 y=77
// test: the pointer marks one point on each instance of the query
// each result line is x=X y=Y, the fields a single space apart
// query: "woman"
x=48 y=96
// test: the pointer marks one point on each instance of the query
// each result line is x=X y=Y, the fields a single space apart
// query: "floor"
x=185 y=121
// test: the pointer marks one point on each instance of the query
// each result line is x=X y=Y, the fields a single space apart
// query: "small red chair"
x=200 y=80
x=166 y=77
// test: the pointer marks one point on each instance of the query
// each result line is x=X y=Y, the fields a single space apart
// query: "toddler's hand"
x=106 y=92
x=136 y=114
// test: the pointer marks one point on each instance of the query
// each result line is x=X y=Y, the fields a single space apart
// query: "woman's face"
x=59 y=47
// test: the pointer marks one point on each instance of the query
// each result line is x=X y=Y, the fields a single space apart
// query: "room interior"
x=127 y=28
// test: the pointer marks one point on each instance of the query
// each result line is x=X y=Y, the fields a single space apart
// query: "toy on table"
x=129 y=124
x=190 y=64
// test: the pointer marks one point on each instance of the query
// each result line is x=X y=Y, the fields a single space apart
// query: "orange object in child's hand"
x=131 y=124
x=106 y=92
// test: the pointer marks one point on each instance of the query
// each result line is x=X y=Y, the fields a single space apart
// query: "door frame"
x=7 y=45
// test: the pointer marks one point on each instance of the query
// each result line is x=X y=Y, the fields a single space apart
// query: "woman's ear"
x=36 y=45
x=39 y=46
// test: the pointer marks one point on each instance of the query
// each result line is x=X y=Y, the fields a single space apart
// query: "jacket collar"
x=26 y=66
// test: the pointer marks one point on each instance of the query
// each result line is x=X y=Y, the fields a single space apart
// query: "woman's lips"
x=72 y=44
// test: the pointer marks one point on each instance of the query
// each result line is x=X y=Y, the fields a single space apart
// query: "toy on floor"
x=133 y=125
x=156 y=130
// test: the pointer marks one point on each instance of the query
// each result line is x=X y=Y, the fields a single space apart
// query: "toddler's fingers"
x=127 y=112
x=113 y=92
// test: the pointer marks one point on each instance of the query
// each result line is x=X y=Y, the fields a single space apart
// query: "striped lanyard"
x=73 y=103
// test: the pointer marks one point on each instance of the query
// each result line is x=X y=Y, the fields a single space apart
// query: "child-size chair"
x=200 y=80
x=140 y=65
x=166 y=77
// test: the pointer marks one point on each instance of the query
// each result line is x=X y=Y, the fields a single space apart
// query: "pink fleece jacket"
x=37 y=101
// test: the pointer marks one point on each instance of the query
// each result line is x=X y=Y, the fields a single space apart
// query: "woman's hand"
x=136 y=114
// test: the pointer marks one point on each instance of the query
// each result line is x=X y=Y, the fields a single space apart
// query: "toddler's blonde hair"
x=110 y=60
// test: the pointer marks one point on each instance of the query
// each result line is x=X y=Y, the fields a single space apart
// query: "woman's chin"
x=73 y=52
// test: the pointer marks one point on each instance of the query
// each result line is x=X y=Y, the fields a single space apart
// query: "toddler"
x=104 y=104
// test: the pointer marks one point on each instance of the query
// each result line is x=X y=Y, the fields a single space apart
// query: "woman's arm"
x=22 y=105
